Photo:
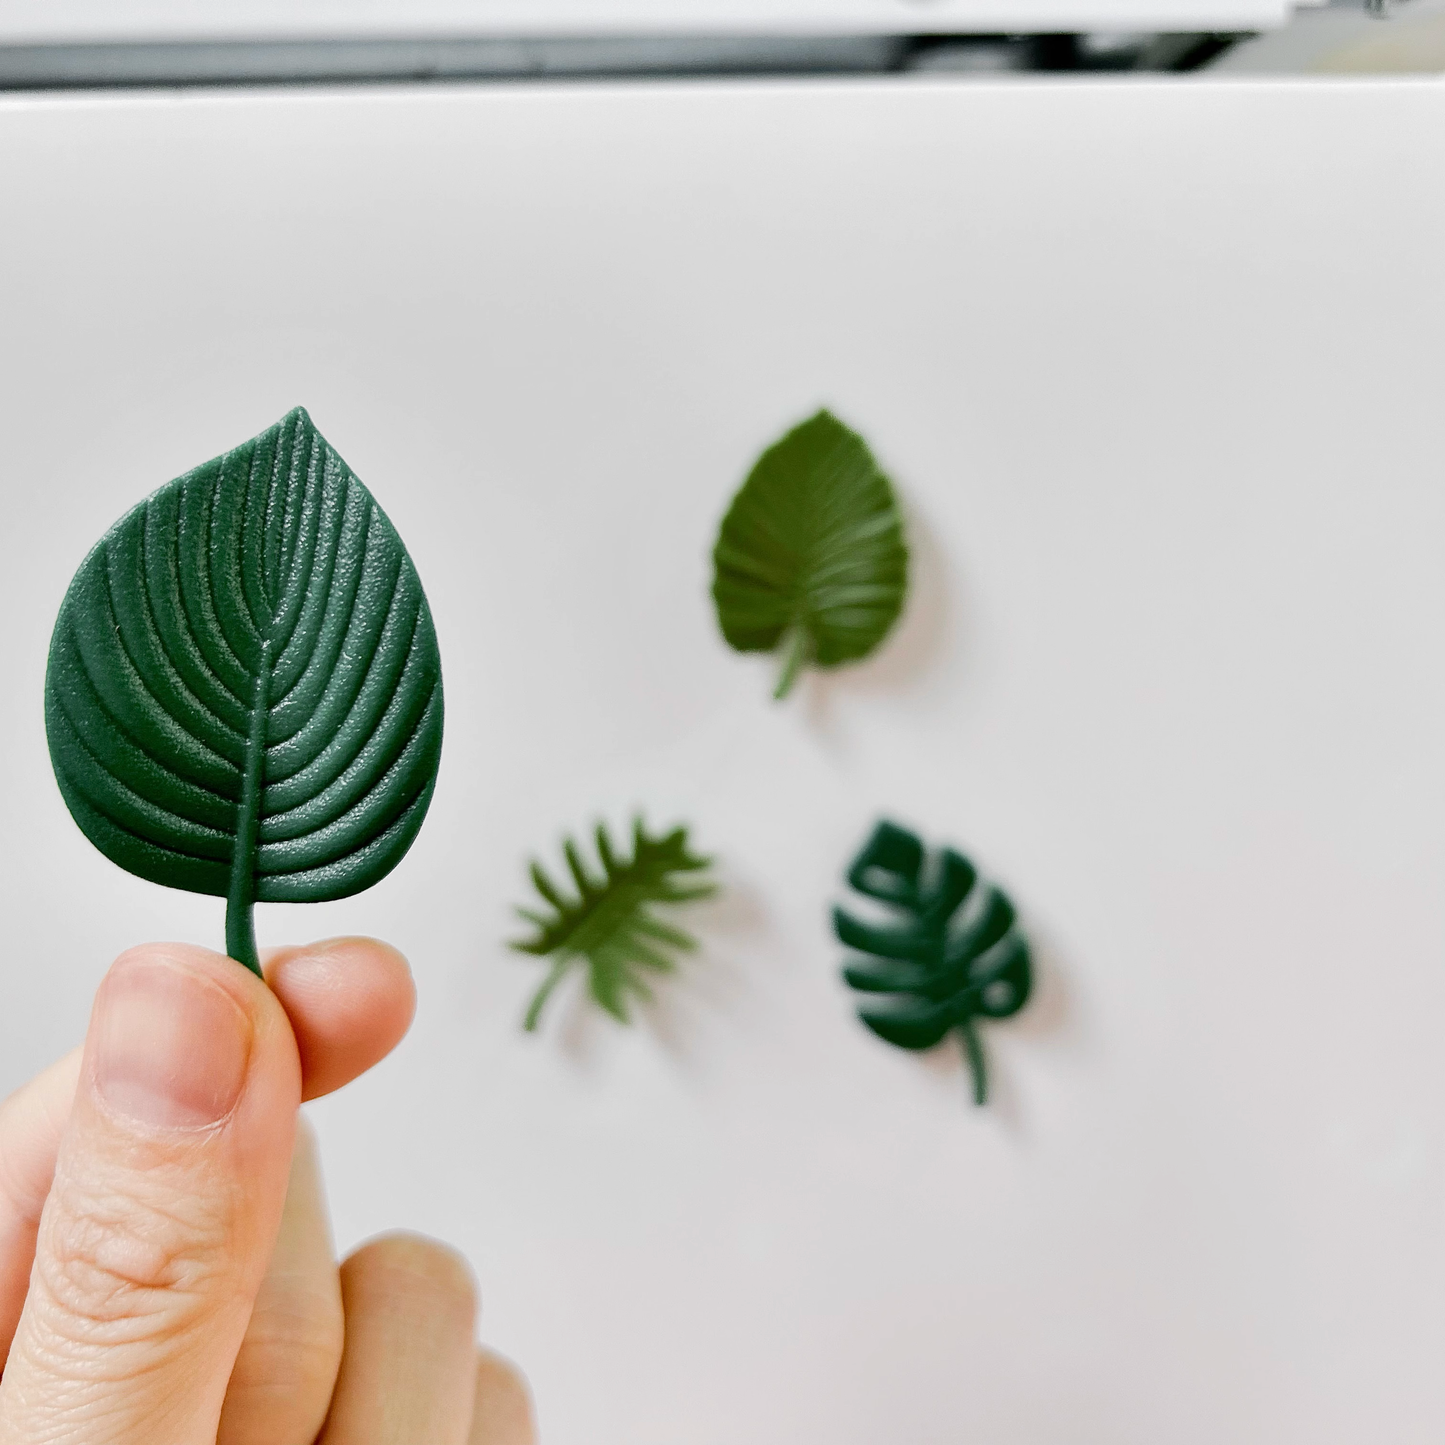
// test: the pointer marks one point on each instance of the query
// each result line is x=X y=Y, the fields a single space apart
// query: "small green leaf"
x=609 y=924
x=954 y=955
x=810 y=559
x=244 y=692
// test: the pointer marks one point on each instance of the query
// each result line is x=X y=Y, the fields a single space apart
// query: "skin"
x=166 y=1268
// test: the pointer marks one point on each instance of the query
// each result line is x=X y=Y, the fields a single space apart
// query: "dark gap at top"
x=358 y=61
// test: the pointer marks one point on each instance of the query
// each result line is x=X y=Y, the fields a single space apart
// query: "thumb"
x=167 y=1197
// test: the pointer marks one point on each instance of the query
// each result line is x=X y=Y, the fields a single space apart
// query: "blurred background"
x=1141 y=305
x=146 y=42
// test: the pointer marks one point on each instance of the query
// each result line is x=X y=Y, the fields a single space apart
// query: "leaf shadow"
x=920 y=639
x=708 y=983
x=711 y=983
x=1052 y=1015
x=1052 y=1011
x=581 y=1033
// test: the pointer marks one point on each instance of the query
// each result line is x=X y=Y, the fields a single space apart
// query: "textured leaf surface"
x=810 y=558
x=609 y=922
x=953 y=952
x=244 y=691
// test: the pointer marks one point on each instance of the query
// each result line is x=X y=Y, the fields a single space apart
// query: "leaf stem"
x=795 y=654
x=973 y=1051
x=241 y=935
x=240 y=901
x=560 y=966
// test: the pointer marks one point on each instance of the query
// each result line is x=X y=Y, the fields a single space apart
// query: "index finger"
x=349 y=1000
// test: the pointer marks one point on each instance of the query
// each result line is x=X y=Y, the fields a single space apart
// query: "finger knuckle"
x=289 y=1346
x=112 y=1267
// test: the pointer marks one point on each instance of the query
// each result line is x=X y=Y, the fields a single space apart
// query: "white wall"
x=1158 y=370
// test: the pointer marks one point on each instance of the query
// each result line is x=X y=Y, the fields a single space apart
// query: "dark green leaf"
x=610 y=923
x=244 y=692
x=953 y=955
x=810 y=559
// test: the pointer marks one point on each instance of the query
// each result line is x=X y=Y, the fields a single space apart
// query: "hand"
x=166 y=1274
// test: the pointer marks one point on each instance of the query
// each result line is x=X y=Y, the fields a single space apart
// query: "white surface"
x=54 y=20
x=1157 y=368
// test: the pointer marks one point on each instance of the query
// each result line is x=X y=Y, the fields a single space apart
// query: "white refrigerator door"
x=1157 y=369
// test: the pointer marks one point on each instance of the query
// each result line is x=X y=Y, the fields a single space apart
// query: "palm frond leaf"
x=606 y=920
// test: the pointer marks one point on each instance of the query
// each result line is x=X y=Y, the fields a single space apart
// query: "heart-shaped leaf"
x=810 y=558
x=244 y=692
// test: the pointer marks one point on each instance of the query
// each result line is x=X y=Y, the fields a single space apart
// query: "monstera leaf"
x=244 y=694
x=810 y=560
x=610 y=924
x=954 y=953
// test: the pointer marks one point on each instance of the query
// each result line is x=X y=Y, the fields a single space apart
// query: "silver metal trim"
x=43 y=67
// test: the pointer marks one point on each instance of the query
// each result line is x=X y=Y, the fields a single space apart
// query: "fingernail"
x=169 y=1047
